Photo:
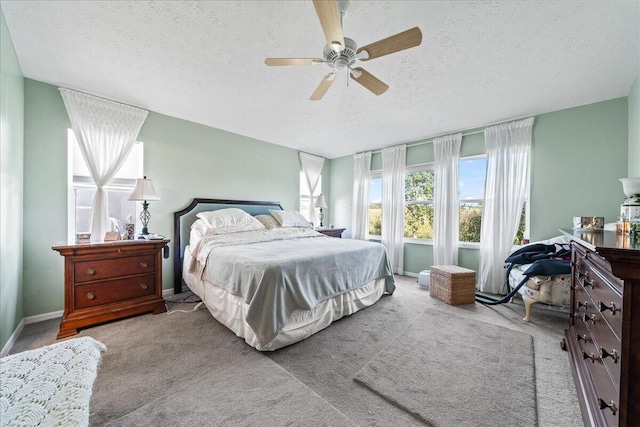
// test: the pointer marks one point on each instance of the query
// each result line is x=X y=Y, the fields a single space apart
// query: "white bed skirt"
x=231 y=311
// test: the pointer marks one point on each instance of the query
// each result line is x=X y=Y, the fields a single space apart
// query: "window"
x=419 y=209
x=418 y=202
x=82 y=189
x=307 y=200
x=472 y=173
x=375 y=204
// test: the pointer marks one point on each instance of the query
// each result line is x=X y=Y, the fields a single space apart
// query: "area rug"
x=450 y=371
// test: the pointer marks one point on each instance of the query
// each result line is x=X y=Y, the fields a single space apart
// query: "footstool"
x=453 y=284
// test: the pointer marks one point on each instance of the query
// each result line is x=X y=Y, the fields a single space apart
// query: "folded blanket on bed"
x=279 y=273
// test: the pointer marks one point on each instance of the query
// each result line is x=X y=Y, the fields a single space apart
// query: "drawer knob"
x=603 y=307
x=143 y=286
x=582 y=275
x=91 y=295
x=613 y=355
x=611 y=405
x=591 y=356
x=91 y=271
x=582 y=304
x=590 y=283
x=143 y=264
x=582 y=337
x=588 y=318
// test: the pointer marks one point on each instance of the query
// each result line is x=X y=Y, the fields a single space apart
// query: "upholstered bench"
x=51 y=385
x=453 y=284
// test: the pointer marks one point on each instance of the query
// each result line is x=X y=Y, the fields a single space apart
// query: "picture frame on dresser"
x=603 y=337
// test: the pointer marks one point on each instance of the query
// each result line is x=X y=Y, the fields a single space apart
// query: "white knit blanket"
x=49 y=386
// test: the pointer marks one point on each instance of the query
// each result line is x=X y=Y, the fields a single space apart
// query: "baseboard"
x=169 y=292
x=42 y=317
x=12 y=339
x=408 y=273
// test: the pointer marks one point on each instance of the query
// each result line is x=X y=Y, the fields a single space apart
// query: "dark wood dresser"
x=109 y=281
x=603 y=339
x=332 y=232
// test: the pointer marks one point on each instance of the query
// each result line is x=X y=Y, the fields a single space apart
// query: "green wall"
x=578 y=156
x=634 y=129
x=184 y=159
x=11 y=185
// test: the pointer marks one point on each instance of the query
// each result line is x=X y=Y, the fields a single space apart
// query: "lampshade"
x=144 y=191
x=320 y=202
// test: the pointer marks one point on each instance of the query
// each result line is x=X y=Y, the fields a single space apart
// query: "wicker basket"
x=453 y=285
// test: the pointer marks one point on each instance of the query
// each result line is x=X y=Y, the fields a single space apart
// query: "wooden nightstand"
x=109 y=281
x=333 y=232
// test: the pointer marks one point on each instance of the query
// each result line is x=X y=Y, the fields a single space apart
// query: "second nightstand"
x=332 y=232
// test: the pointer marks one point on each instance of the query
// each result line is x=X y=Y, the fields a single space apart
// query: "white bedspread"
x=49 y=386
x=283 y=270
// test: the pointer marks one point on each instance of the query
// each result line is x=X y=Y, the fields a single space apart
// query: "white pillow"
x=290 y=218
x=229 y=220
x=268 y=221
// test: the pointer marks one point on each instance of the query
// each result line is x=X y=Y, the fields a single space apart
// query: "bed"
x=274 y=286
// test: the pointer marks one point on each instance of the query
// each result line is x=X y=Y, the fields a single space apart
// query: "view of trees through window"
x=419 y=209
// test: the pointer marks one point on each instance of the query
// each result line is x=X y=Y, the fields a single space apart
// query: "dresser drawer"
x=105 y=292
x=85 y=271
x=607 y=345
x=605 y=298
x=605 y=389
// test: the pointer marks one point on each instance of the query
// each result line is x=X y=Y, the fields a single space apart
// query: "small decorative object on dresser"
x=109 y=281
x=332 y=232
x=603 y=339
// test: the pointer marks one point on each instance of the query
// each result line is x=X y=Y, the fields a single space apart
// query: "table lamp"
x=144 y=192
x=322 y=204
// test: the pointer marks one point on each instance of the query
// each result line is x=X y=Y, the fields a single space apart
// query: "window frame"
x=310 y=198
x=83 y=181
x=373 y=175
x=420 y=167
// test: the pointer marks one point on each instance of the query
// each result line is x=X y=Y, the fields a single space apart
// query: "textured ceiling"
x=479 y=62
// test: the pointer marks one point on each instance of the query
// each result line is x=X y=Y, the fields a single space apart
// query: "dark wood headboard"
x=183 y=219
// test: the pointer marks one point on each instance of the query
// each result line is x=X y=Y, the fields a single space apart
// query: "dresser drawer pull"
x=588 y=318
x=143 y=286
x=604 y=354
x=582 y=304
x=582 y=275
x=591 y=356
x=611 y=405
x=582 y=337
x=590 y=283
x=143 y=264
x=603 y=307
x=91 y=271
x=91 y=295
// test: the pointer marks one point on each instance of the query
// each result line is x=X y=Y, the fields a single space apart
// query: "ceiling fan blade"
x=329 y=16
x=401 y=41
x=292 y=61
x=369 y=81
x=323 y=87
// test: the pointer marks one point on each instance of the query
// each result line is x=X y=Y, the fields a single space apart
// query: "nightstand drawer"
x=93 y=294
x=85 y=271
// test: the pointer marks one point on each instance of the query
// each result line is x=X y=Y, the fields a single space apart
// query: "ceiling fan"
x=342 y=53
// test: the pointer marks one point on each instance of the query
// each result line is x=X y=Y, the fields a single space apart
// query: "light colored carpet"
x=156 y=366
x=456 y=372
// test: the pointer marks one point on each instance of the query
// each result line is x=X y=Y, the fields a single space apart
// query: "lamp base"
x=321 y=217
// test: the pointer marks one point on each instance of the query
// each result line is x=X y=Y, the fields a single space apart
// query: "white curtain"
x=105 y=131
x=508 y=161
x=445 y=201
x=394 y=160
x=312 y=169
x=360 y=211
